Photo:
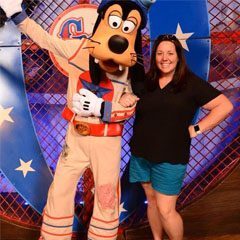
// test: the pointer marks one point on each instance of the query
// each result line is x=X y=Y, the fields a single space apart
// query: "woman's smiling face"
x=166 y=58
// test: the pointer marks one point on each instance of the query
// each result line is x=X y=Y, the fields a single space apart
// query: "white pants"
x=102 y=154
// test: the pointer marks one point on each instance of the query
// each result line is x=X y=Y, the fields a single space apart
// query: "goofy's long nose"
x=118 y=44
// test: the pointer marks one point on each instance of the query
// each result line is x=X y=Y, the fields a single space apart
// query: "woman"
x=163 y=130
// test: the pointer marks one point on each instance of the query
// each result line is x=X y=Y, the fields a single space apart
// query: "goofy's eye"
x=114 y=21
x=128 y=26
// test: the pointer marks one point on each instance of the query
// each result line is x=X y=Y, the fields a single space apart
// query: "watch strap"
x=197 y=129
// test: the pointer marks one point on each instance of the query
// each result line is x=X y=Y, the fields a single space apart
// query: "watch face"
x=196 y=128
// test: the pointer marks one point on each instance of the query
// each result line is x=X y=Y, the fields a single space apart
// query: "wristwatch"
x=197 y=129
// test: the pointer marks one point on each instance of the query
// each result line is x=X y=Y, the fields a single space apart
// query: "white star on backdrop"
x=25 y=167
x=183 y=37
x=4 y=115
x=121 y=208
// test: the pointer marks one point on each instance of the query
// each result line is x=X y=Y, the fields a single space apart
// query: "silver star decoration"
x=4 y=114
x=121 y=208
x=183 y=37
x=25 y=167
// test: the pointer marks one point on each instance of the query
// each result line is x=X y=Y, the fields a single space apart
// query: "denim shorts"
x=166 y=178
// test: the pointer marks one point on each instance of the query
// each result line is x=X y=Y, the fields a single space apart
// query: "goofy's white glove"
x=85 y=103
x=77 y=106
x=10 y=7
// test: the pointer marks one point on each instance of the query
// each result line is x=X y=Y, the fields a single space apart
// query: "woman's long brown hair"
x=153 y=75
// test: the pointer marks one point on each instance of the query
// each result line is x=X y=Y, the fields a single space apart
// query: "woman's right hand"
x=128 y=100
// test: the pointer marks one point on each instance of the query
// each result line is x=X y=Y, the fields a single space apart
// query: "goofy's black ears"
x=143 y=6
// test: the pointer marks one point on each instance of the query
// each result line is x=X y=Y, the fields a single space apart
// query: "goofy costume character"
x=95 y=116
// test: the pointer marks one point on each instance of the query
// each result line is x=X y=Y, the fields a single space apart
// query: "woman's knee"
x=150 y=194
x=166 y=211
x=166 y=205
